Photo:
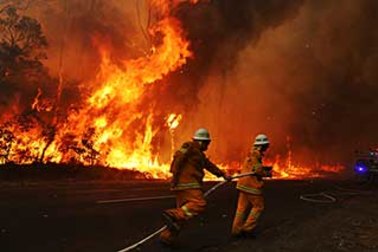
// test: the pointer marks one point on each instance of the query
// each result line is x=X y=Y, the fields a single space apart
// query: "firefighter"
x=187 y=170
x=251 y=200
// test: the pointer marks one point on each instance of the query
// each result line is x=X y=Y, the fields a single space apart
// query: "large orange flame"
x=115 y=126
x=113 y=108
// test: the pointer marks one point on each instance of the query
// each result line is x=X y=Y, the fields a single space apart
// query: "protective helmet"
x=261 y=139
x=202 y=134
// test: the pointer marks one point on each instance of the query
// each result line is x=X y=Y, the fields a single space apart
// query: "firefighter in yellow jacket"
x=187 y=169
x=251 y=200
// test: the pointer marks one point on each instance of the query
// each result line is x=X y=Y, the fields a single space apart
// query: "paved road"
x=67 y=216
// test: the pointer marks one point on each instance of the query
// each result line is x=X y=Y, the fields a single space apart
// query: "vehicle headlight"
x=361 y=168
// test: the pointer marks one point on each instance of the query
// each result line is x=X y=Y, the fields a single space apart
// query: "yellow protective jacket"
x=188 y=167
x=253 y=163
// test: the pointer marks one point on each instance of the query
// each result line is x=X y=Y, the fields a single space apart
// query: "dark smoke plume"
x=219 y=30
x=304 y=72
x=336 y=113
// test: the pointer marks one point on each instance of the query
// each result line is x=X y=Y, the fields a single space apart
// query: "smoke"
x=211 y=87
x=305 y=74
x=335 y=113
x=76 y=29
x=218 y=30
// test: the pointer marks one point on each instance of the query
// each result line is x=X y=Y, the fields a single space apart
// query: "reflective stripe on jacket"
x=249 y=189
x=183 y=186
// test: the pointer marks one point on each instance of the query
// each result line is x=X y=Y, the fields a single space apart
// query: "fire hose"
x=206 y=194
x=331 y=196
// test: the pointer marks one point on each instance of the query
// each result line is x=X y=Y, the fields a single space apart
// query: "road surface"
x=86 y=216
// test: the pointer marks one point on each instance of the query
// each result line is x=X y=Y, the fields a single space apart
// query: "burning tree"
x=22 y=48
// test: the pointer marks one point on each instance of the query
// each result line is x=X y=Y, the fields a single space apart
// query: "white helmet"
x=202 y=134
x=261 y=139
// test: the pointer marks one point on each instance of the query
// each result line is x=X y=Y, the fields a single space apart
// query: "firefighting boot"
x=167 y=238
x=171 y=221
x=250 y=234
x=235 y=236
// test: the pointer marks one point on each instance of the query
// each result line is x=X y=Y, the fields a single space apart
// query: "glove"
x=267 y=168
x=268 y=171
x=227 y=177
x=174 y=180
x=269 y=174
x=173 y=184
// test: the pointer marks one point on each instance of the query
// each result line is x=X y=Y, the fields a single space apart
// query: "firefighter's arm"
x=212 y=168
x=258 y=168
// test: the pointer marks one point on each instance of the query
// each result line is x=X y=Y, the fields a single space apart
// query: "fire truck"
x=366 y=166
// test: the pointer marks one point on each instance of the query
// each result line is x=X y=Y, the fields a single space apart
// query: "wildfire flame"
x=40 y=104
x=114 y=126
x=114 y=106
x=299 y=171
x=173 y=121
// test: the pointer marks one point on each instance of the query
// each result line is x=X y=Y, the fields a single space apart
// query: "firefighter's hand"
x=268 y=174
x=227 y=177
x=268 y=171
x=268 y=168
x=174 y=181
